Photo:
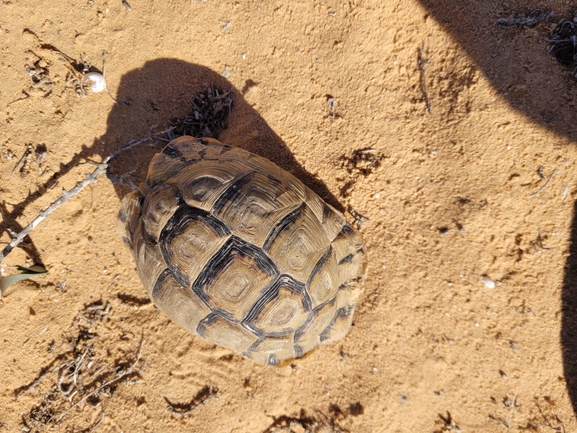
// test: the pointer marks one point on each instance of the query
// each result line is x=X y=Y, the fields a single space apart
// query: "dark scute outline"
x=224 y=314
x=281 y=225
x=347 y=229
x=312 y=316
x=174 y=227
x=225 y=148
x=207 y=321
x=347 y=259
x=172 y=152
x=158 y=284
x=223 y=257
x=123 y=218
x=273 y=179
x=341 y=312
x=254 y=346
x=268 y=295
x=195 y=184
x=183 y=216
x=327 y=211
x=299 y=352
x=143 y=205
x=232 y=191
x=325 y=257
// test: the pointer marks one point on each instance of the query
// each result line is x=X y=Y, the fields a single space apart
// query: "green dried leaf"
x=32 y=271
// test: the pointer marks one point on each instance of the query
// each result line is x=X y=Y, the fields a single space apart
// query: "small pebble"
x=489 y=283
x=226 y=72
x=225 y=27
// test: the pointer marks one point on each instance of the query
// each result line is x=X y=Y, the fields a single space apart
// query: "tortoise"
x=240 y=252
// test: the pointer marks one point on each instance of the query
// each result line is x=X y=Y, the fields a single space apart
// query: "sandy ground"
x=450 y=197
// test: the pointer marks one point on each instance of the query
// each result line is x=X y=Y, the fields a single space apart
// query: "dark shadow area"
x=569 y=320
x=162 y=89
x=516 y=62
x=148 y=98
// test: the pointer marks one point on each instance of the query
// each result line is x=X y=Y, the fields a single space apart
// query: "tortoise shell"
x=238 y=251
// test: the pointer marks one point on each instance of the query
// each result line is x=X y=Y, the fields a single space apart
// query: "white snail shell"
x=95 y=81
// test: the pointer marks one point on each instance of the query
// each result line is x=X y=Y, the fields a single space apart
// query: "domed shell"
x=238 y=251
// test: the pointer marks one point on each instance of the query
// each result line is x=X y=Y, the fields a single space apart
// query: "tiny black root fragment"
x=198 y=400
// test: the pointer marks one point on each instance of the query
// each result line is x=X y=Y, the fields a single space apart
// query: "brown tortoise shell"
x=238 y=251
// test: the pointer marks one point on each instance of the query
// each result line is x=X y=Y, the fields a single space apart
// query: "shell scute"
x=235 y=277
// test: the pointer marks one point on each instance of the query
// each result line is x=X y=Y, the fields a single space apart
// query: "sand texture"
x=449 y=139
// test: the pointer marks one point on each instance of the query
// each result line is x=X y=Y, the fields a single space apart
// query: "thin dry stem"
x=543 y=187
x=93 y=429
x=121 y=375
x=67 y=195
x=423 y=63
x=43 y=376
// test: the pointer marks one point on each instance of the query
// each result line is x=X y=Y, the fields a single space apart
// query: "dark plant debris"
x=317 y=423
x=446 y=423
x=198 y=400
x=524 y=20
x=78 y=376
x=208 y=115
x=564 y=44
x=362 y=161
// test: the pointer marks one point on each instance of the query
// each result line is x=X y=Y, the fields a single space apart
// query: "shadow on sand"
x=148 y=98
x=534 y=84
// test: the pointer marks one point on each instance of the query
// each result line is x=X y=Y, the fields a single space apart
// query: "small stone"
x=225 y=27
x=226 y=72
x=488 y=282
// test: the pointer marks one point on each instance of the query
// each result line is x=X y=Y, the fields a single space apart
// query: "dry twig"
x=524 y=20
x=120 y=375
x=546 y=182
x=95 y=426
x=25 y=390
x=67 y=195
x=423 y=63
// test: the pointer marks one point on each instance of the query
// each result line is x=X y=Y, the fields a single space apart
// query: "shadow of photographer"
x=531 y=81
